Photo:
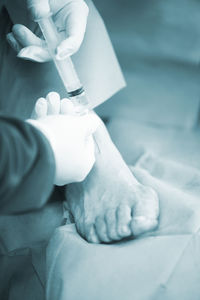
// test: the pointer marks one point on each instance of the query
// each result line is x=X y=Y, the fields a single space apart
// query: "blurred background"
x=158 y=46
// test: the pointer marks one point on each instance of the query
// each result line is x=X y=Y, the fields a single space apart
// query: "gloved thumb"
x=38 y=9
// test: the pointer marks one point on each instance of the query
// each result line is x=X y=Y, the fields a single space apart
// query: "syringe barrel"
x=65 y=66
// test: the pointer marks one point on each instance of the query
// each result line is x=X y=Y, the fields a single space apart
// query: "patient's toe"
x=140 y=225
x=123 y=220
x=111 y=223
x=101 y=230
x=80 y=228
x=90 y=234
x=53 y=101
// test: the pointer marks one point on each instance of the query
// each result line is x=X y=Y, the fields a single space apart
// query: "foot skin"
x=110 y=204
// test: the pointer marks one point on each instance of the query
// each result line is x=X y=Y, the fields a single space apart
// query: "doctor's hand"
x=70 y=17
x=69 y=135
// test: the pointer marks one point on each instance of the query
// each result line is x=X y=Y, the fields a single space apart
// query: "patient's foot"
x=109 y=204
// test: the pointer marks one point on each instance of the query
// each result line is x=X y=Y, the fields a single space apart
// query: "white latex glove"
x=70 y=17
x=72 y=143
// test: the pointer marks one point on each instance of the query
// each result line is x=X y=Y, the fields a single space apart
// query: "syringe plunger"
x=64 y=66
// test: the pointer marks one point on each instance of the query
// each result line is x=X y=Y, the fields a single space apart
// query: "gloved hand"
x=70 y=17
x=70 y=137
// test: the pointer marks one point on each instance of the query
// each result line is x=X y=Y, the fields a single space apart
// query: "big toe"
x=141 y=225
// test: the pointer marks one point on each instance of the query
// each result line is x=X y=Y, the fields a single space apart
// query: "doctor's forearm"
x=26 y=167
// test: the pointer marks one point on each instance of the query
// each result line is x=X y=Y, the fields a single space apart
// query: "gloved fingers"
x=15 y=45
x=67 y=107
x=26 y=37
x=34 y=53
x=40 y=110
x=38 y=9
x=76 y=20
x=53 y=102
x=27 y=44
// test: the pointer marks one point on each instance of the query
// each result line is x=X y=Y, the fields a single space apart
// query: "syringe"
x=64 y=66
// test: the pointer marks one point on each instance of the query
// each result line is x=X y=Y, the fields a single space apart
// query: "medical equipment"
x=64 y=66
